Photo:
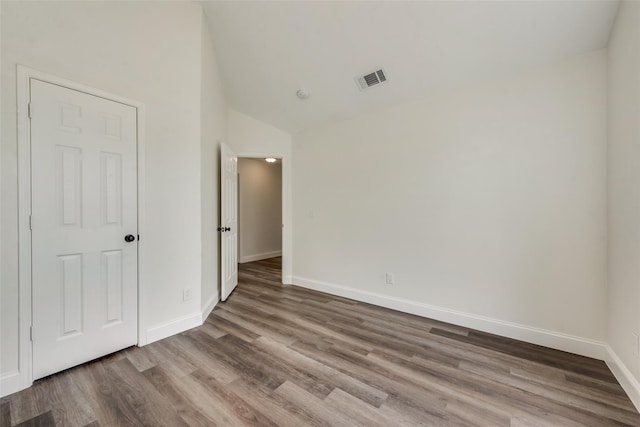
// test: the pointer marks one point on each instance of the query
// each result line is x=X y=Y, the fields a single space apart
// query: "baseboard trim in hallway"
x=259 y=257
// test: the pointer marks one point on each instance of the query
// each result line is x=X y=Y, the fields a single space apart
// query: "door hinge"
x=29 y=110
x=30 y=333
x=30 y=223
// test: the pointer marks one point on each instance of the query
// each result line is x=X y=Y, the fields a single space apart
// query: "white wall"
x=623 y=186
x=213 y=116
x=487 y=203
x=260 y=213
x=250 y=137
x=149 y=52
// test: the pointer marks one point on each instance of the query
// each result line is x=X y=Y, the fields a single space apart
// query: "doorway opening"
x=260 y=223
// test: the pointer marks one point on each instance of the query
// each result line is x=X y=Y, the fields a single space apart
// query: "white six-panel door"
x=228 y=220
x=84 y=203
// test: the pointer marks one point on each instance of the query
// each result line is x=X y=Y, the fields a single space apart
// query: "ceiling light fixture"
x=270 y=160
x=302 y=93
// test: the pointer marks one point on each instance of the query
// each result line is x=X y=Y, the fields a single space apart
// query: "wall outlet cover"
x=389 y=278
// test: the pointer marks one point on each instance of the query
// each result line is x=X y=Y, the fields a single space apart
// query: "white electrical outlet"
x=636 y=345
x=389 y=278
x=186 y=294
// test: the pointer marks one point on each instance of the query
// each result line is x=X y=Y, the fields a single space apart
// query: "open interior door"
x=228 y=221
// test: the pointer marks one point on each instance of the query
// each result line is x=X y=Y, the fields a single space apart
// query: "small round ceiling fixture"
x=302 y=93
x=270 y=160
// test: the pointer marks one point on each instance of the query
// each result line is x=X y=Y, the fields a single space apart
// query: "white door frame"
x=23 y=378
x=287 y=217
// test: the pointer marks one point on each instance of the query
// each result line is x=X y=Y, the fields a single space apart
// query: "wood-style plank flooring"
x=288 y=356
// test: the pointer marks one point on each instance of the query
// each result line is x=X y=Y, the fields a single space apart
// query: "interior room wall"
x=146 y=51
x=213 y=122
x=624 y=197
x=260 y=199
x=248 y=136
x=487 y=204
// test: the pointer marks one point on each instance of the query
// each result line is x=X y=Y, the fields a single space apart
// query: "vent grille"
x=371 y=79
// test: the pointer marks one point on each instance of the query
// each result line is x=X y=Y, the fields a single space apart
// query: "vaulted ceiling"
x=267 y=50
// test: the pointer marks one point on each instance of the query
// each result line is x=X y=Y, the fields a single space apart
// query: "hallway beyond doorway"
x=262 y=272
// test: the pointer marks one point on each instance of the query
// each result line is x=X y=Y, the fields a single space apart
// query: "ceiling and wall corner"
x=268 y=50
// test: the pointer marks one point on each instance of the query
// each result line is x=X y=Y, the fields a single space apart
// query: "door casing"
x=23 y=377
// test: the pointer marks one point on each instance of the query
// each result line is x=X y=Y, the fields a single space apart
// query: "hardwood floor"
x=287 y=356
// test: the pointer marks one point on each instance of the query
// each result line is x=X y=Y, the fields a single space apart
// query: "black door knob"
x=129 y=238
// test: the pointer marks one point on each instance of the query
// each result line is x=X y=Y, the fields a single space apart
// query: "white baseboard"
x=287 y=280
x=12 y=382
x=626 y=379
x=258 y=257
x=557 y=340
x=208 y=307
x=181 y=324
x=173 y=327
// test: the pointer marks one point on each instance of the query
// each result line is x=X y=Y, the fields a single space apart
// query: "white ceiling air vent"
x=371 y=79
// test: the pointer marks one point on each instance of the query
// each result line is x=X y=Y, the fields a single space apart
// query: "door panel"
x=70 y=187
x=110 y=188
x=228 y=220
x=70 y=282
x=84 y=201
x=112 y=282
